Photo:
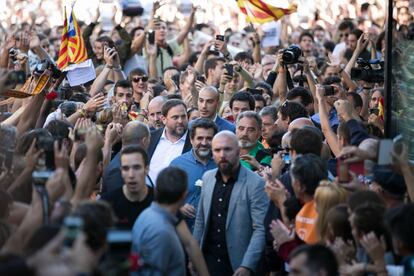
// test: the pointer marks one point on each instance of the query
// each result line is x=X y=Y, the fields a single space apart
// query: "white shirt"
x=165 y=152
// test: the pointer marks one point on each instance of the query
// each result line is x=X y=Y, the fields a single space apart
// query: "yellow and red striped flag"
x=257 y=11
x=72 y=47
x=76 y=45
x=381 y=108
x=63 y=59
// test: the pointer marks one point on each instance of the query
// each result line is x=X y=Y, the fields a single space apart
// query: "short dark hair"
x=135 y=149
x=309 y=169
x=332 y=80
x=357 y=33
x=346 y=24
x=137 y=71
x=264 y=85
x=400 y=221
x=211 y=63
x=123 y=84
x=344 y=131
x=293 y=110
x=171 y=185
x=370 y=217
x=258 y=98
x=97 y=218
x=305 y=140
x=359 y=198
x=304 y=34
x=170 y=104
x=59 y=129
x=202 y=123
x=302 y=92
x=356 y=98
x=242 y=97
x=243 y=56
x=106 y=39
x=318 y=257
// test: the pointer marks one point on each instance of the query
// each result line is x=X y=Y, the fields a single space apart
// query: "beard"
x=158 y=124
x=225 y=167
x=178 y=131
x=203 y=152
x=245 y=144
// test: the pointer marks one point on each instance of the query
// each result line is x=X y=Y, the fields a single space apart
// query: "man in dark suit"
x=208 y=101
x=171 y=141
x=136 y=133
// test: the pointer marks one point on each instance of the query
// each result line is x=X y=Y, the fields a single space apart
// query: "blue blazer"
x=245 y=236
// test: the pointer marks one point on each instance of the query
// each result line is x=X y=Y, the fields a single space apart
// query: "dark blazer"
x=224 y=125
x=155 y=138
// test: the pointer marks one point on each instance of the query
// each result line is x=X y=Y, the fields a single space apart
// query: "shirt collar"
x=170 y=217
x=233 y=178
x=183 y=138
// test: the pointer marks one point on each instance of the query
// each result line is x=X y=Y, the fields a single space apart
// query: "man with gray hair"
x=134 y=133
x=208 y=102
x=248 y=131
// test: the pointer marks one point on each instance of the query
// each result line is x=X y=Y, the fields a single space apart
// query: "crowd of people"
x=200 y=151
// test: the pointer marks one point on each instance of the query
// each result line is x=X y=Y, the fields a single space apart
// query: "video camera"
x=367 y=70
x=47 y=65
x=291 y=55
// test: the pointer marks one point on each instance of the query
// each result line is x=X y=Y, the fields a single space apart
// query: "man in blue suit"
x=229 y=223
x=208 y=102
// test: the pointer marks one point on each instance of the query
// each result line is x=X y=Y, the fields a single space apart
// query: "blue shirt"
x=333 y=119
x=156 y=241
x=195 y=170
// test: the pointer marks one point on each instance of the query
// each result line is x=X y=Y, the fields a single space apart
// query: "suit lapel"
x=209 y=188
x=235 y=194
x=187 y=143
x=155 y=138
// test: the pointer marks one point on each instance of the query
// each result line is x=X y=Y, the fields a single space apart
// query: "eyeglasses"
x=137 y=79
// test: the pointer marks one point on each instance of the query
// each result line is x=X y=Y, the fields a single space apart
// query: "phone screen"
x=384 y=152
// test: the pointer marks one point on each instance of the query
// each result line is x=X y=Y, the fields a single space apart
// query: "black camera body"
x=366 y=72
x=47 y=65
x=291 y=55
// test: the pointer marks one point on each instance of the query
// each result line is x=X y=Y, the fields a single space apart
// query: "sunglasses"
x=137 y=79
x=342 y=35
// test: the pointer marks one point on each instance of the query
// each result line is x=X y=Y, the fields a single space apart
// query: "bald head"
x=299 y=123
x=208 y=101
x=136 y=132
x=226 y=151
x=226 y=134
x=154 y=112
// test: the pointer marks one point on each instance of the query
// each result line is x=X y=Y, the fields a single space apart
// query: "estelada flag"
x=63 y=59
x=76 y=45
x=72 y=48
x=258 y=11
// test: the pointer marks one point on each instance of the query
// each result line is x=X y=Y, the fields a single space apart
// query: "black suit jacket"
x=155 y=138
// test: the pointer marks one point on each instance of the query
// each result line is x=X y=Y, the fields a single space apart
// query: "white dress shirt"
x=164 y=153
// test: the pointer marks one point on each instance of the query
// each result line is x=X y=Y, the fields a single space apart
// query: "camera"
x=329 y=90
x=367 y=72
x=291 y=55
x=47 y=65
